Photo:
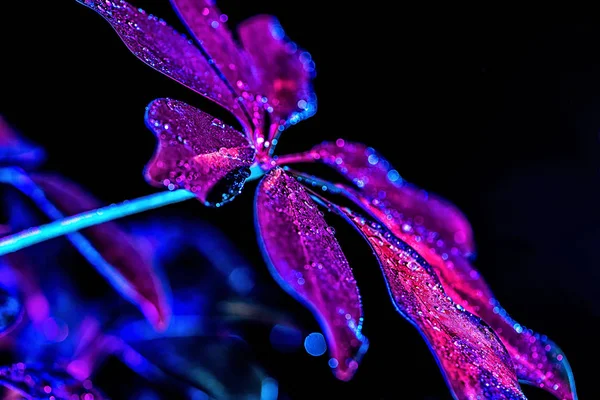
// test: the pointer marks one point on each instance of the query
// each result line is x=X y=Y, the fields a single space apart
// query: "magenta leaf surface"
x=197 y=152
x=36 y=383
x=308 y=262
x=380 y=182
x=166 y=50
x=473 y=359
x=130 y=270
x=284 y=71
x=537 y=359
x=209 y=26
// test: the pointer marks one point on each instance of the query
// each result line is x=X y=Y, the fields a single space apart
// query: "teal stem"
x=65 y=226
x=31 y=236
x=20 y=180
x=256 y=172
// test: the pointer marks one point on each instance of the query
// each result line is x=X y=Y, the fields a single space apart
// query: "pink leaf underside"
x=538 y=360
x=307 y=261
x=166 y=50
x=196 y=152
x=43 y=384
x=130 y=266
x=284 y=70
x=473 y=359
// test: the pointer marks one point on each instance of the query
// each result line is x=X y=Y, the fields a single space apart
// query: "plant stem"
x=64 y=226
x=31 y=236
x=21 y=181
x=297 y=158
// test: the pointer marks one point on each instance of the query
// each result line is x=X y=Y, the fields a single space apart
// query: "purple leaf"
x=537 y=359
x=307 y=261
x=33 y=383
x=132 y=269
x=166 y=50
x=197 y=152
x=209 y=26
x=381 y=183
x=16 y=151
x=472 y=358
x=284 y=71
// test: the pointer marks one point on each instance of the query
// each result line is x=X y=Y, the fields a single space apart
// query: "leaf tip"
x=159 y=315
x=346 y=371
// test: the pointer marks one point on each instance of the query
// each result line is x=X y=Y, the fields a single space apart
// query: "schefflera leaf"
x=118 y=257
x=381 y=183
x=167 y=51
x=307 y=261
x=473 y=359
x=41 y=383
x=208 y=25
x=197 y=152
x=436 y=230
x=284 y=71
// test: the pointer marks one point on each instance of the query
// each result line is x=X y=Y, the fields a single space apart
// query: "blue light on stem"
x=65 y=226
x=255 y=172
x=31 y=236
x=21 y=181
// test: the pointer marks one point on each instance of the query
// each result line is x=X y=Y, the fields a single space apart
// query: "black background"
x=497 y=111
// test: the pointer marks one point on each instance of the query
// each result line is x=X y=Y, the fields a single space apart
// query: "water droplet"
x=393 y=175
x=217 y=122
x=315 y=344
x=412 y=265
